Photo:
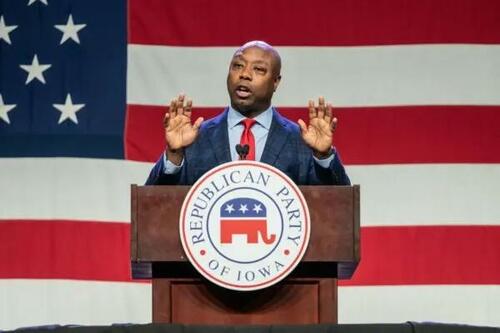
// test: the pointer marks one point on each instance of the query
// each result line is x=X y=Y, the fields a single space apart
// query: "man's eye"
x=260 y=69
x=237 y=65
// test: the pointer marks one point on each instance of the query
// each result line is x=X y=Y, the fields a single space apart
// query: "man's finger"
x=302 y=125
x=187 y=109
x=321 y=107
x=180 y=105
x=312 y=110
x=333 y=124
x=197 y=123
x=328 y=113
x=173 y=108
x=166 y=119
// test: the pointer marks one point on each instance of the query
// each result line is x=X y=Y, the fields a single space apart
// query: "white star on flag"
x=4 y=110
x=68 y=110
x=70 y=30
x=5 y=30
x=243 y=208
x=35 y=70
x=229 y=209
x=257 y=208
x=33 y=1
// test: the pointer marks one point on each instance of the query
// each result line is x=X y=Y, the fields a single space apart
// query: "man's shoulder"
x=214 y=121
x=284 y=122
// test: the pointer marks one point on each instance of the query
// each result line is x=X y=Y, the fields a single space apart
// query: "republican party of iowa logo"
x=244 y=225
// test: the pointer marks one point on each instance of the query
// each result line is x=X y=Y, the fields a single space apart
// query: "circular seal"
x=244 y=225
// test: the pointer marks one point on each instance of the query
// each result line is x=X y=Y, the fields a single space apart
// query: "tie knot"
x=248 y=122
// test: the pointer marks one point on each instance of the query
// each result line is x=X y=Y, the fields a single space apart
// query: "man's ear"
x=277 y=81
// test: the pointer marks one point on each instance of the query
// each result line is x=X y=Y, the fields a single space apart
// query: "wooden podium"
x=307 y=296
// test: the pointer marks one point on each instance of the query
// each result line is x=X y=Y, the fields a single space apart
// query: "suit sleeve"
x=158 y=177
x=335 y=174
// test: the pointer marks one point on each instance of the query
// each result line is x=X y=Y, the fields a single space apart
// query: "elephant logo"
x=244 y=216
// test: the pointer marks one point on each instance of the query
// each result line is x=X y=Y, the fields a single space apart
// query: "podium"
x=181 y=295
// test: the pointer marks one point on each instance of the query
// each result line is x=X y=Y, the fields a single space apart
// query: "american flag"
x=84 y=85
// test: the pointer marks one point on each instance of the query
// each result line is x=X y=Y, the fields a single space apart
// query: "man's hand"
x=179 y=132
x=318 y=135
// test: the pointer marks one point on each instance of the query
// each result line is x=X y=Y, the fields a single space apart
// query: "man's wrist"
x=323 y=155
x=175 y=155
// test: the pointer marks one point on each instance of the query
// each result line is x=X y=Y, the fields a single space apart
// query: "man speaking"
x=251 y=124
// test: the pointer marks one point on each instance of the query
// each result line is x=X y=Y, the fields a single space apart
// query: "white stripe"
x=68 y=188
x=428 y=194
x=43 y=302
x=99 y=190
x=473 y=305
x=348 y=76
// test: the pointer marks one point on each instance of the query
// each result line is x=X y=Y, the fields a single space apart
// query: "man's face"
x=252 y=80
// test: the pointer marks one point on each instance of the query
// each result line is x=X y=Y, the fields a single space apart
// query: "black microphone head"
x=239 y=149
x=242 y=151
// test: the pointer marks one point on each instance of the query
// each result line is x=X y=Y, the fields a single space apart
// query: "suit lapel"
x=219 y=139
x=278 y=136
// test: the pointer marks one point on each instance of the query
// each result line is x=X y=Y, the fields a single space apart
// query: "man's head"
x=254 y=75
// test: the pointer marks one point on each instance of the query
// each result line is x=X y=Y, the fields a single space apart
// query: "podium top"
x=333 y=244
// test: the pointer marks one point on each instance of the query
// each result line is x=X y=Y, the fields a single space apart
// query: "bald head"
x=267 y=48
x=253 y=77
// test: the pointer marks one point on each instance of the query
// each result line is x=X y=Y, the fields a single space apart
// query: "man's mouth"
x=243 y=92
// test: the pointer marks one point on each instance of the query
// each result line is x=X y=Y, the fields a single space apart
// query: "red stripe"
x=366 y=135
x=390 y=255
x=428 y=255
x=65 y=250
x=313 y=23
x=145 y=138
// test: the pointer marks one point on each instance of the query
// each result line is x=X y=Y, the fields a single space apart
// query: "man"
x=304 y=153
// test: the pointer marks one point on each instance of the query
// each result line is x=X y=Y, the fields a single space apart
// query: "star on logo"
x=257 y=208
x=70 y=30
x=33 y=1
x=35 y=70
x=5 y=30
x=68 y=110
x=4 y=110
x=243 y=208
x=229 y=209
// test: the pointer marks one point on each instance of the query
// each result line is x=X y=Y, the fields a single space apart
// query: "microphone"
x=242 y=151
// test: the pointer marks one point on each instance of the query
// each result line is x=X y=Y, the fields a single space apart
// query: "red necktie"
x=247 y=137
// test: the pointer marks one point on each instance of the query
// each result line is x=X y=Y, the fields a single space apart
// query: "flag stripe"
x=418 y=194
x=322 y=22
x=65 y=250
x=28 y=303
x=470 y=305
x=390 y=255
x=428 y=255
x=46 y=301
x=366 y=135
x=68 y=188
x=348 y=76
x=428 y=194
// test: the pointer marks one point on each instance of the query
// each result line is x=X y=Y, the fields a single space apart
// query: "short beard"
x=249 y=111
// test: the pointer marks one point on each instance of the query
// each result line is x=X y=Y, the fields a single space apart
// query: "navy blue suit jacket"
x=284 y=149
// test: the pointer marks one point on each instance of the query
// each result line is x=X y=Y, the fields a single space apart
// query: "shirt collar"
x=264 y=119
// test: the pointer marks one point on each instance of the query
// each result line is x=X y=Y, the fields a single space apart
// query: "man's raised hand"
x=179 y=132
x=318 y=135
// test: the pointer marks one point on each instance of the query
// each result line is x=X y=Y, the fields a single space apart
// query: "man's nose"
x=245 y=73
